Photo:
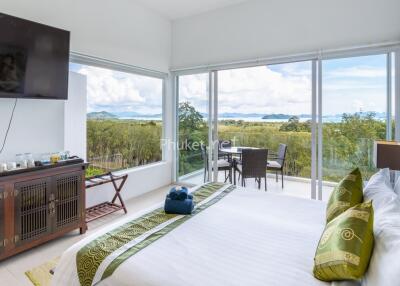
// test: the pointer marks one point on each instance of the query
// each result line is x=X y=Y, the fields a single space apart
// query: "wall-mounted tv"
x=34 y=60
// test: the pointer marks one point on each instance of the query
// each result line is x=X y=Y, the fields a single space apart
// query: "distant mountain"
x=276 y=116
x=261 y=116
x=236 y=114
x=101 y=115
x=132 y=114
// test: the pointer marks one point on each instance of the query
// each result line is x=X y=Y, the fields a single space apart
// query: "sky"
x=115 y=91
x=349 y=85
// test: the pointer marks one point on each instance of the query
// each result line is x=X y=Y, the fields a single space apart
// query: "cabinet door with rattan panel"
x=68 y=190
x=2 y=222
x=32 y=210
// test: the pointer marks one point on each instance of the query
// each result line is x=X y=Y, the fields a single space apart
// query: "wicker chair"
x=223 y=165
x=253 y=166
x=223 y=144
x=277 y=162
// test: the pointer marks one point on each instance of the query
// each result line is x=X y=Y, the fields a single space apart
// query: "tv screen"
x=34 y=60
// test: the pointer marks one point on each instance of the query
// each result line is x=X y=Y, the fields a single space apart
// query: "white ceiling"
x=174 y=9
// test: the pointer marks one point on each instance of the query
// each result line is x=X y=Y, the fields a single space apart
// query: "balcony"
x=293 y=186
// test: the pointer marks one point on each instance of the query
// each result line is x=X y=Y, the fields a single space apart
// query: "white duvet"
x=250 y=237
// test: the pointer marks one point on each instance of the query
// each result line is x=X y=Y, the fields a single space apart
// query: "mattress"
x=249 y=237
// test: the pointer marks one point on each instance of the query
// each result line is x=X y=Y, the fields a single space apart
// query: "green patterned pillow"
x=346 y=194
x=346 y=244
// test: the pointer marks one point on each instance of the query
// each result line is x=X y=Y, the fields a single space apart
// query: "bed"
x=237 y=236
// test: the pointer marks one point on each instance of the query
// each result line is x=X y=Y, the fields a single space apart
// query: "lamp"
x=387 y=155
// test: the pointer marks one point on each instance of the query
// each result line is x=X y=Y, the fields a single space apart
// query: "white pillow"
x=384 y=267
x=380 y=191
x=397 y=184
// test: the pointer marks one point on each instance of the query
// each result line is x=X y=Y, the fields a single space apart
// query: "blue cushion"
x=180 y=195
x=178 y=207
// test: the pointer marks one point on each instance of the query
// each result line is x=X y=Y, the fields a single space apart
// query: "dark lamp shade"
x=387 y=155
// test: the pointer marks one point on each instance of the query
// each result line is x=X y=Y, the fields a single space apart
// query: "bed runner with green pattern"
x=100 y=258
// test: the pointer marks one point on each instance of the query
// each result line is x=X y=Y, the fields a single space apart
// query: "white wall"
x=37 y=127
x=121 y=31
x=75 y=115
x=268 y=28
x=140 y=180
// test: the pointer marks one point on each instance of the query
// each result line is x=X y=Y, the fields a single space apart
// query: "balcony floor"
x=297 y=187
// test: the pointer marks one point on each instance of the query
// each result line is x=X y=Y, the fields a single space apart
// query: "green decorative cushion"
x=346 y=194
x=346 y=244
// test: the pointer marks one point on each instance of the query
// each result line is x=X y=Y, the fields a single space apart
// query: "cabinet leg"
x=83 y=229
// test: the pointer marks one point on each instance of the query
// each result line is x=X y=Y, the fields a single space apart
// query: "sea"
x=326 y=119
x=333 y=119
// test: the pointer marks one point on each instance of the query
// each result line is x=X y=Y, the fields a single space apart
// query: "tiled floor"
x=297 y=187
x=12 y=270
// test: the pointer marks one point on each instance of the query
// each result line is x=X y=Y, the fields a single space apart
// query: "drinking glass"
x=45 y=158
x=29 y=159
x=20 y=161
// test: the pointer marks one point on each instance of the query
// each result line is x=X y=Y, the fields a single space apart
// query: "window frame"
x=392 y=50
x=82 y=59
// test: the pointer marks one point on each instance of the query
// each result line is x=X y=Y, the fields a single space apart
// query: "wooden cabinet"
x=41 y=205
x=2 y=192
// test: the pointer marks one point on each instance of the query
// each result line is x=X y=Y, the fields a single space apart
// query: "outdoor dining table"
x=230 y=151
x=234 y=150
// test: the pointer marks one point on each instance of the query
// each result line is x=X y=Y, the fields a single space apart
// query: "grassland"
x=118 y=144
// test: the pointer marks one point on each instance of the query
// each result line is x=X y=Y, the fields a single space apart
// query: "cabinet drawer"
x=67 y=190
x=32 y=210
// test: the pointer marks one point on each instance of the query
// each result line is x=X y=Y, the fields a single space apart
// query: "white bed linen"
x=250 y=237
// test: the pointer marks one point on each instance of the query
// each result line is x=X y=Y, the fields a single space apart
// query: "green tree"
x=189 y=117
x=192 y=129
x=295 y=125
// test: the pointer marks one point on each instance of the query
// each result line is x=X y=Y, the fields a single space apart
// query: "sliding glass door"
x=192 y=119
x=334 y=106
x=262 y=107
x=354 y=113
x=266 y=106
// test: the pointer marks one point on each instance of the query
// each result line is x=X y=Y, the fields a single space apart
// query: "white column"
x=397 y=94
x=320 y=161
x=314 y=132
x=75 y=110
x=389 y=97
x=215 y=127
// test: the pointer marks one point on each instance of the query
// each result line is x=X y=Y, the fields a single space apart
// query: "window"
x=193 y=122
x=267 y=105
x=354 y=115
x=124 y=118
x=327 y=111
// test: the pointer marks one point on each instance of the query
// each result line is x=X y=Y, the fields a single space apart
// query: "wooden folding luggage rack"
x=106 y=208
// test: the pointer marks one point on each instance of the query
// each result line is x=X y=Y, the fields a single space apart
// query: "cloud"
x=116 y=91
x=194 y=89
x=286 y=88
x=263 y=90
x=357 y=72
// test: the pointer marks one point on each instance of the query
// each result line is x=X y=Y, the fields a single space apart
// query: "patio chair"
x=277 y=162
x=253 y=166
x=223 y=144
x=223 y=165
x=223 y=155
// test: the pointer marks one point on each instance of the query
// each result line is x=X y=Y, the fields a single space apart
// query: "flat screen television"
x=34 y=60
